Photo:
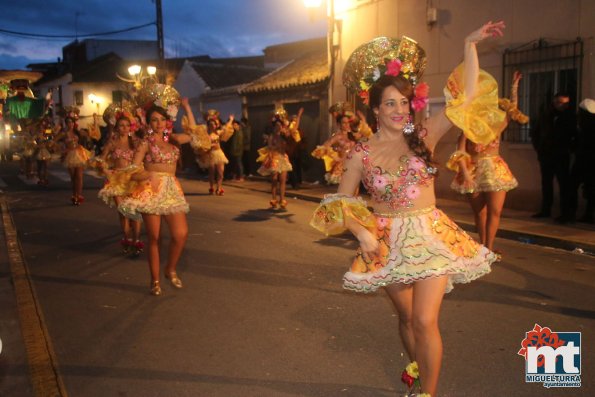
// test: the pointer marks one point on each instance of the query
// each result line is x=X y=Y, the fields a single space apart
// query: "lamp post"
x=140 y=75
x=332 y=22
x=97 y=100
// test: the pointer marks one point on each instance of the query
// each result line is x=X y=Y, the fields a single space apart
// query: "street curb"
x=508 y=234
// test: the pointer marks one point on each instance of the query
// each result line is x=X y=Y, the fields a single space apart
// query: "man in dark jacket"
x=553 y=138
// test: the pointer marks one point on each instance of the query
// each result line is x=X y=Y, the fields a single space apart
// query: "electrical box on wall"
x=432 y=15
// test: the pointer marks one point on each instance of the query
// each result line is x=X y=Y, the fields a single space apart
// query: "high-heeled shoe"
x=138 y=247
x=283 y=204
x=220 y=192
x=126 y=244
x=211 y=190
x=155 y=288
x=81 y=199
x=273 y=204
x=174 y=279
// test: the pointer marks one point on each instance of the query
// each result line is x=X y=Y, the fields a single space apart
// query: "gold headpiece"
x=383 y=55
x=161 y=95
x=281 y=115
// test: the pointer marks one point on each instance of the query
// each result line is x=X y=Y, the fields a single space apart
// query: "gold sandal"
x=155 y=288
x=174 y=279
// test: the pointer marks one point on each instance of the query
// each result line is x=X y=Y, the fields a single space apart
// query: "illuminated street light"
x=140 y=76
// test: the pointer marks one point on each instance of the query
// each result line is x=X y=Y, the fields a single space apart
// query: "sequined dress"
x=414 y=243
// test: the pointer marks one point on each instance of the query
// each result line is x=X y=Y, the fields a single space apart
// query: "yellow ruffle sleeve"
x=453 y=161
x=513 y=111
x=481 y=119
x=199 y=137
x=364 y=129
x=326 y=154
x=263 y=153
x=294 y=131
x=226 y=132
x=329 y=217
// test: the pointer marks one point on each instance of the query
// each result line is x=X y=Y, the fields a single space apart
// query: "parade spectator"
x=247 y=140
x=237 y=151
x=407 y=245
x=582 y=170
x=553 y=137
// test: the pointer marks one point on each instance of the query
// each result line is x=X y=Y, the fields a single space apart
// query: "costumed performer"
x=274 y=158
x=159 y=195
x=482 y=175
x=214 y=159
x=114 y=161
x=351 y=128
x=407 y=246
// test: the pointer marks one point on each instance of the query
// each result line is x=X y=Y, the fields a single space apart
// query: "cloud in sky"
x=220 y=28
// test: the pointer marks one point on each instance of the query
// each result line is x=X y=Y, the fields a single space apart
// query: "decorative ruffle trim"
x=453 y=161
x=416 y=248
x=481 y=119
x=334 y=209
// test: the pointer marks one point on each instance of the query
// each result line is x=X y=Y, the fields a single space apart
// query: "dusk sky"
x=219 y=28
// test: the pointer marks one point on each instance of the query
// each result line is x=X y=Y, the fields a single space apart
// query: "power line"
x=47 y=36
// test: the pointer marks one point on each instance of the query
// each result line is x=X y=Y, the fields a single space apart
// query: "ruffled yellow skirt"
x=415 y=246
x=211 y=158
x=77 y=157
x=159 y=195
x=489 y=174
x=273 y=162
x=117 y=184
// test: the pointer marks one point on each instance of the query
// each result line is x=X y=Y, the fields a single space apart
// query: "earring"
x=408 y=128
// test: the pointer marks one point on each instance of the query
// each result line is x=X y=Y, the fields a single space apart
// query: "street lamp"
x=140 y=75
x=97 y=100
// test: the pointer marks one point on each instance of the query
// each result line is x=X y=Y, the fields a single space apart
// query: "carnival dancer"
x=44 y=146
x=482 y=175
x=274 y=159
x=159 y=195
x=407 y=245
x=351 y=128
x=214 y=159
x=114 y=160
x=75 y=156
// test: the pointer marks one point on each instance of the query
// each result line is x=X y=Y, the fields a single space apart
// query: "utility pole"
x=160 y=34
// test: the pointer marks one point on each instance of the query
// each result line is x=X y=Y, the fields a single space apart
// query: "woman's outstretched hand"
x=490 y=29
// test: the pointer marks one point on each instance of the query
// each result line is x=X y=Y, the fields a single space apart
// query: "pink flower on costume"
x=416 y=163
x=419 y=103
x=412 y=192
x=380 y=182
x=393 y=68
x=422 y=90
x=381 y=222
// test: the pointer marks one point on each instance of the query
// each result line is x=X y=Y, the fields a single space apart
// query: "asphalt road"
x=262 y=311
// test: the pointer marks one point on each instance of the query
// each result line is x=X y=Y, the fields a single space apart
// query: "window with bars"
x=547 y=69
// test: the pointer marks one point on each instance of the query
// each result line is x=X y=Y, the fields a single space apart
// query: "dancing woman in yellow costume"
x=159 y=195
x=351 y=128
x=274 y=158
x=407 y=246
x=214 y=159
x=75 y=158
x=482 y=174
x=114 y=160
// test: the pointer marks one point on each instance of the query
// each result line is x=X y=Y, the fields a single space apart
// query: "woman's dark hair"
x=414 y=141
x=75 y=128
x=124 y=118
x=156 y=109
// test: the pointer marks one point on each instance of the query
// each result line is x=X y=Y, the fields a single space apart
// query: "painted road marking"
x=45 y=375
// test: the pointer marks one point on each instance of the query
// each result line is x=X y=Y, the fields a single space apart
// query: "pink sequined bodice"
x=397 y=189
x=122 y=154
x=157 y=156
